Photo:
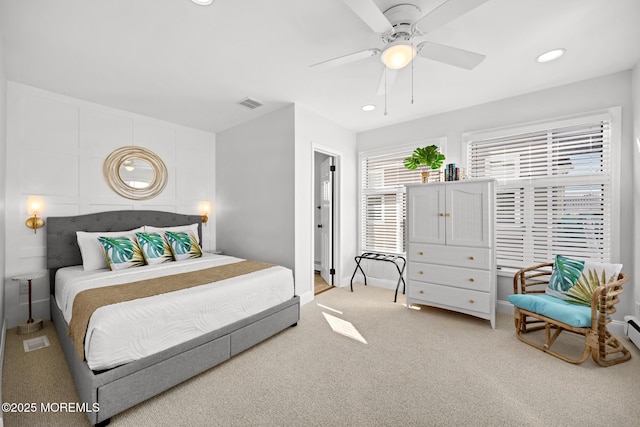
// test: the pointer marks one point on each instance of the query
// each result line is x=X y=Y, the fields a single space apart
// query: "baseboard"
x=2 y=343
x=305 y=298
x=631 y=329
x=504 y=307
x=616 y=327
x=377 y=282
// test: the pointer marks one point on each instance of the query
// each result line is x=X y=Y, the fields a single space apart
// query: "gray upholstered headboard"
x=62 y=245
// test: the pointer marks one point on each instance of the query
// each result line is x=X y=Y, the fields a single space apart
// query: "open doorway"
x=324 y=221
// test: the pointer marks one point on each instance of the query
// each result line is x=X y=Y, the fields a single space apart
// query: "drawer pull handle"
x=448 y=214
x=471 y=258
x=421 y=273
x=440 y=214
x=422 y=292
x=472 y=280
x=420 y=253
x=471 y=301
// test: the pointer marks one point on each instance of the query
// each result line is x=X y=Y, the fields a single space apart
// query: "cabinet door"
x=468 y=214
x=425 y=211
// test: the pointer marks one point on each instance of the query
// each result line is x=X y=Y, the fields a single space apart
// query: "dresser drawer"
x=468 y=278
x=448 y=297
x=457 y=256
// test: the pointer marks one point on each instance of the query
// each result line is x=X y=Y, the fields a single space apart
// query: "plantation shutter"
x=383 y=202
x=553 y=194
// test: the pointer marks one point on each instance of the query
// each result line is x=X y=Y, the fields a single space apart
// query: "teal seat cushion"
x=575 y=315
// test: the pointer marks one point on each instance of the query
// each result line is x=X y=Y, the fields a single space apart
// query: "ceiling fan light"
x=398 y=55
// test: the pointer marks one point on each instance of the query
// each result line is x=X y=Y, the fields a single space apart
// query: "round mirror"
x=135 y=173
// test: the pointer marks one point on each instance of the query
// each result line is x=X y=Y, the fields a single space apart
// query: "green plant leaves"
x=180 y=242
x=183 y=245
x=585 y=287
x=122 y=250
x=411 y=163
x=566 y=272
x=429 y=156
x=154 y=246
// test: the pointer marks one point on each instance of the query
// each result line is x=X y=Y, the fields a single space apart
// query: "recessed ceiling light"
x=203 y=2
x=551 y=55
x=368 y=107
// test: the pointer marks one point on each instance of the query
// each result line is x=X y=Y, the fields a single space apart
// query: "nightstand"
x=31 y=325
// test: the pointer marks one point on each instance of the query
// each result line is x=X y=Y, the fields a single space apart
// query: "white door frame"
x=327 y=200
x=337 y=184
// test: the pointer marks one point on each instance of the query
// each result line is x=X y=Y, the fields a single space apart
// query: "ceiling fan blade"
x=386 y=81
x=450 y=55
x=446 y=12
x=345 y=59
x=371 y=15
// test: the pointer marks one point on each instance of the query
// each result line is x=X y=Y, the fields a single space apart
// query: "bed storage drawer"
x=128 y=391
x=262 y=329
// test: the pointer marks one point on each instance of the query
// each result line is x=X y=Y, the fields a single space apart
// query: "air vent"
x=250 y=103
x=36 y=343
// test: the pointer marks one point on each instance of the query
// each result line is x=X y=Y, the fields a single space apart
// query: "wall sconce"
x=34 y=207
x=205 y=207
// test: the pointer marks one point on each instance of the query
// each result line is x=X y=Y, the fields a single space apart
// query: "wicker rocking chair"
x=604 y=348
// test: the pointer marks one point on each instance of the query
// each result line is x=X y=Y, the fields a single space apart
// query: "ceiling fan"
x=400 y=28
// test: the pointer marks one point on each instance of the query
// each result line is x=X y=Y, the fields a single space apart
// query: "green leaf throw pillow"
x=575 y=280
x=183 y=245
x=122 y=252
x=155 y=248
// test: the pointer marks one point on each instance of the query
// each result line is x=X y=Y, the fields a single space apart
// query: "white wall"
x=264 y=190
x=636 y=185
x=3 y=160
x=56 y=146
x=3 y=178
x=255 y=199
x=606 y=91
x=315 y=133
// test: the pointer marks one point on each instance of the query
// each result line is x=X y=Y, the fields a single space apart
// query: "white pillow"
x=93 y=257
x=193 y=228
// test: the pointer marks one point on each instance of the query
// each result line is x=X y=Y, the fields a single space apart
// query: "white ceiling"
x=189 y=64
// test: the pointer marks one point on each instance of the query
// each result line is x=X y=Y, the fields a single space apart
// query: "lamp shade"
x=398 y=54
x=34 y=207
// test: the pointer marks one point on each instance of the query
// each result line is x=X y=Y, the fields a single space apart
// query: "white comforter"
x=123 y=332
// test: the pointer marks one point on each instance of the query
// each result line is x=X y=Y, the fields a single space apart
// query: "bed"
x=114 y=385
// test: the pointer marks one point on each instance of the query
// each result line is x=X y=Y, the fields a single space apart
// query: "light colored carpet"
x=425 y=367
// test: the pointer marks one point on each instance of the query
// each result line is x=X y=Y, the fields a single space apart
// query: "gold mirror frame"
x=114 y=161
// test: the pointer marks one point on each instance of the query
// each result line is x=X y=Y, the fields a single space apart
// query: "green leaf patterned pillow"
x=155 y=248
x=122 y=252
x=183 y=245
x=574 y=280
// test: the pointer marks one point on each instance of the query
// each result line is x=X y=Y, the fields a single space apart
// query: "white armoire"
x=451 y=247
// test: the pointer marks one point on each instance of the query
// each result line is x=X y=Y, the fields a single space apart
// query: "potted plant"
x=425 y=157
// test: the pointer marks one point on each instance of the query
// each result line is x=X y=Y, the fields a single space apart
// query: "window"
x=383 y=201
x=554 y=191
